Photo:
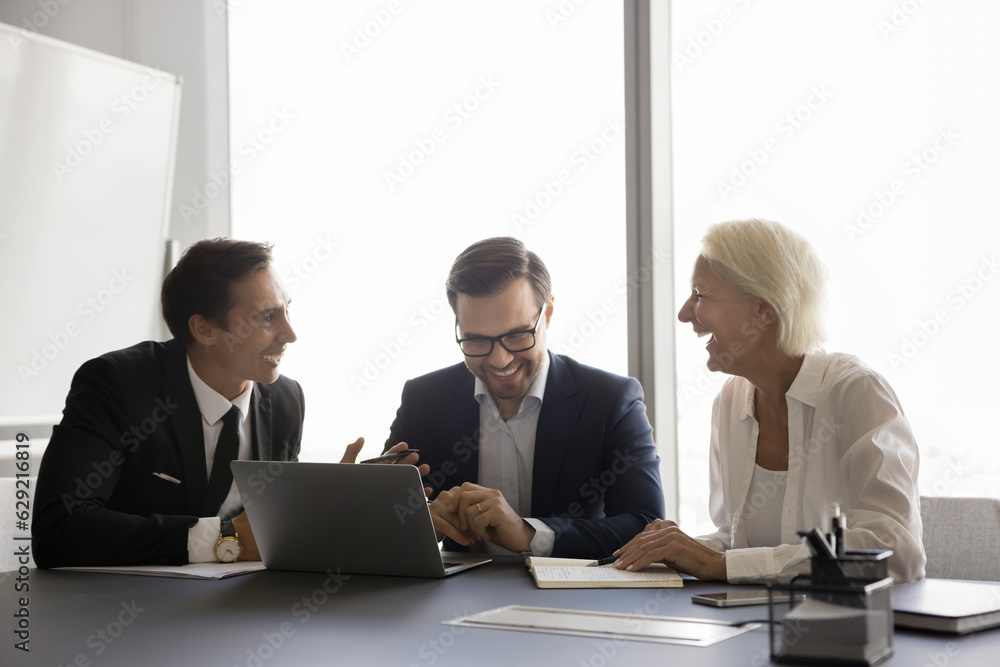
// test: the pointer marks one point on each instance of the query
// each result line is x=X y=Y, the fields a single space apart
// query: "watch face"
x=227 y=550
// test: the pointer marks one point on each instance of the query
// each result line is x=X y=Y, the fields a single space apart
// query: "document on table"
x=577 y=573
x=637 y=627
x=189 y=571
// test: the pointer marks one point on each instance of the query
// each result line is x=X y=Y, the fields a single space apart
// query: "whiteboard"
x=87 y=147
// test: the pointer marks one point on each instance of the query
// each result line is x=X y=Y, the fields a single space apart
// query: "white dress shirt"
x=213 y=406
x=848 y=442
x=507 y=455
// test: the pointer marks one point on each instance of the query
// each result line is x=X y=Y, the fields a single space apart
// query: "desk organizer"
x=863 y=565
x=840 y=615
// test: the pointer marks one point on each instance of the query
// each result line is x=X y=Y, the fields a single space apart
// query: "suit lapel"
x=189 y=436
x=561 y=406
x=465 y=408
x=261 y=426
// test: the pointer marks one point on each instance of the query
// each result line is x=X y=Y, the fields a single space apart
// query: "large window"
x=871 y=128
x=373 y=141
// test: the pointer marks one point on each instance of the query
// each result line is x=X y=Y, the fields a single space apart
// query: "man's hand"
x=485 y=514
x=663 y=542
x=245 y=535
x=411 y=460
x=447 y=522
x=352 y=451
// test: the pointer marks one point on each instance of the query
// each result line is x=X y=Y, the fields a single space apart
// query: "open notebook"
x=575 y=573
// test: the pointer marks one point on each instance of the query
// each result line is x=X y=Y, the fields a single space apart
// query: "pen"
x=838 y=530
x=392 y=457
x=603 y=561
x=819 y=546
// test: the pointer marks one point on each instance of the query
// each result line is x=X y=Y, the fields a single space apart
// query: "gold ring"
x=480 y=508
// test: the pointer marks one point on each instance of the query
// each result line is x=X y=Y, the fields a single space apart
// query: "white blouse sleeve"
x=880 y=461
x=756 y=564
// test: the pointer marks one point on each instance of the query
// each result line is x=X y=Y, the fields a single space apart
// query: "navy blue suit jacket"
x=131 y=413
x=595 y=477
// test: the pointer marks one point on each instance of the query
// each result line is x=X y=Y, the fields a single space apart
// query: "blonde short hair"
x=767 y=260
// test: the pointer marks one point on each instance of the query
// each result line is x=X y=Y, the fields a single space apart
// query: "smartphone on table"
x=739 y=598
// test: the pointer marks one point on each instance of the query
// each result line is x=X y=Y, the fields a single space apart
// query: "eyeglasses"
x=515 y=341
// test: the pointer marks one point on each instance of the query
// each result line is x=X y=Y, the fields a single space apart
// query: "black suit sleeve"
x=100 y=497
x=288 y=408
x=443 y=425
x=400 y=430
x=613 y=501
x=78 y=477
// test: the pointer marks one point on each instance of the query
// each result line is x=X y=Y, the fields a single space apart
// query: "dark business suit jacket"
x=129 y=414
x=595 y=477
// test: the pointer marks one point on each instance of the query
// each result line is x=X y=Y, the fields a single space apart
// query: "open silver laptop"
x=361 y=518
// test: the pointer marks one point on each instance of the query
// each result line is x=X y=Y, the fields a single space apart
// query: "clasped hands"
x=471 y=513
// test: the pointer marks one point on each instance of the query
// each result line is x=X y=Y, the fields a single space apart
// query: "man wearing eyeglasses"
x=529 y=452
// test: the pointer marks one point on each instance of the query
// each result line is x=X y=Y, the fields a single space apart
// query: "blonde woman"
x=795 y=429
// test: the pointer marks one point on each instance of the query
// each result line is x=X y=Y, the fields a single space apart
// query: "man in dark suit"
x=528 y=451
x=138 y=470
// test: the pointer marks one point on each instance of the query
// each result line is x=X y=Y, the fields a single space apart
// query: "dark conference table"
x=274 y=618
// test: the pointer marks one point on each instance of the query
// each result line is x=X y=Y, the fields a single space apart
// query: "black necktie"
x=227 y=449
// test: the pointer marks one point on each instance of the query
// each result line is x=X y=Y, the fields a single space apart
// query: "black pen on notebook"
x=603 y=561
x=392 y=457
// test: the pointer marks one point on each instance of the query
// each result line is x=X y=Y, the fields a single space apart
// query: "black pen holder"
x=854 y=567
x=840 y=615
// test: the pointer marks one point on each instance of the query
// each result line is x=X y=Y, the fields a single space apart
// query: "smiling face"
x=250 y=344
x=737 y=325
x=507 y=375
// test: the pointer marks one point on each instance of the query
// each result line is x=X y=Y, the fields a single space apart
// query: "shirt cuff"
x=202 y=537
x=544 y=539
x=750 y=565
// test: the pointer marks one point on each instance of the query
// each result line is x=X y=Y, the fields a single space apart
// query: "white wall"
x=183 y=37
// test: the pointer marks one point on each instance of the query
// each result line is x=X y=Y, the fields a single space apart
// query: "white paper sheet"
x=189 y=571
x=637 y=627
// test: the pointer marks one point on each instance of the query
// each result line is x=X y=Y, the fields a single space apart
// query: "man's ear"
x=549 y=307
x=202 y=330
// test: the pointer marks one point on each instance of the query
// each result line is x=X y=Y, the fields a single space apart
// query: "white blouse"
x=848 y=442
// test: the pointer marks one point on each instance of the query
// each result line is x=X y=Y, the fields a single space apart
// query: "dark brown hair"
x=201 y=282
x=488 y=267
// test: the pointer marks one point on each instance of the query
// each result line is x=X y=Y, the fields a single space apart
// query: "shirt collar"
x=212 y=404
x=535 y=391
x=805 y=387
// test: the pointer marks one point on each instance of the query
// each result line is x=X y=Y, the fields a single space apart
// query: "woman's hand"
x=663 y=542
